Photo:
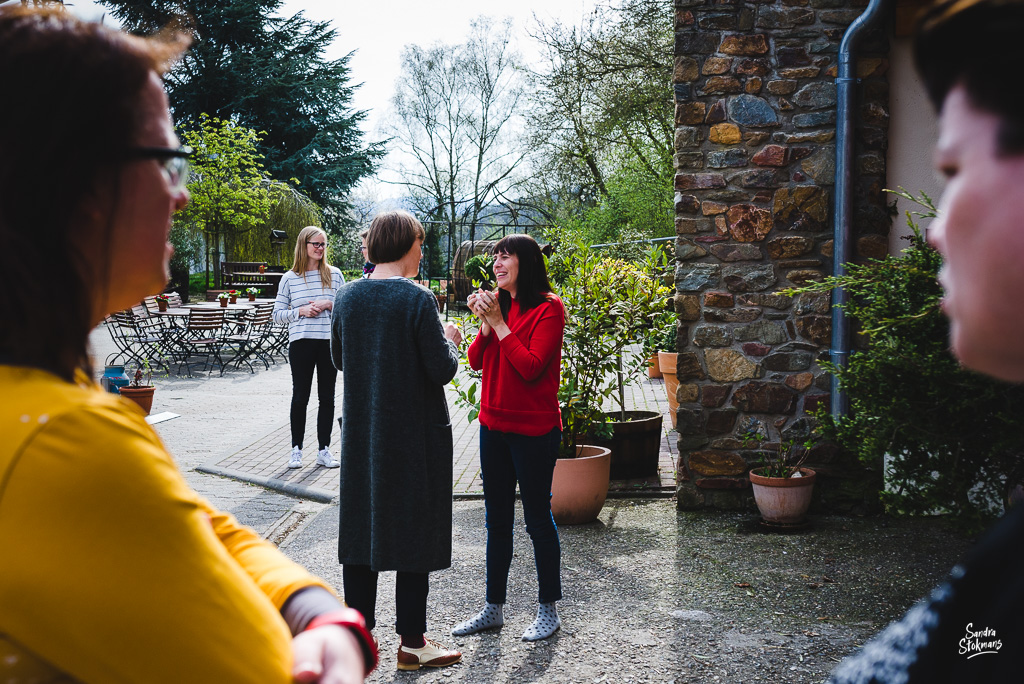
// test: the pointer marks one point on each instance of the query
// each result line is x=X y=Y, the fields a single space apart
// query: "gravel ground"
x=653 y=595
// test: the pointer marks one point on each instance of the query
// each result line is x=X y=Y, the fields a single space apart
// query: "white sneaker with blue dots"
x=546 y=624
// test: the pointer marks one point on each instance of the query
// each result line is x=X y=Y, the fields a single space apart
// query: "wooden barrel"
x=460 y=283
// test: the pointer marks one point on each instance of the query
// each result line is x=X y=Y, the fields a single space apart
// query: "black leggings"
x=304 y=356
x=411 y=589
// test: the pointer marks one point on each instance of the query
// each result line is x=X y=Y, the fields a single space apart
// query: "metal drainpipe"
x=843 y=214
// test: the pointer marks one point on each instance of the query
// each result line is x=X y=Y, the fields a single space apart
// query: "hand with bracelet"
x=334 y=648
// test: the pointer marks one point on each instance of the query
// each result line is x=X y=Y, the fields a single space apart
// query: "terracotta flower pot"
x=783 y=500
x=143 y=396
x=580 y=485
x=233 y=299
x=161 y=304
x=653 y=367
x=224 y=303
x=667 y=362
x=252 y=297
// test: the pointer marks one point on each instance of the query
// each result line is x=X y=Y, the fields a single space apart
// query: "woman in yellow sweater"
x=111 y=568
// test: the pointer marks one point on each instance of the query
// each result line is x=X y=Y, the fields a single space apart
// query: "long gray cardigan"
x=396 y=434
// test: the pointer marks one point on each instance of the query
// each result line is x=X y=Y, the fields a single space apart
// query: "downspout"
x=843 y=213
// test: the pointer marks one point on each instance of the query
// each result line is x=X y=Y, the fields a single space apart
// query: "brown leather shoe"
x=432 y=654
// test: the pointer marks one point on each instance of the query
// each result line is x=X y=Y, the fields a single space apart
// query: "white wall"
x=912 y=134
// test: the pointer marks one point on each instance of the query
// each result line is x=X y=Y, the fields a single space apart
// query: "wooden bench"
x=241 y=275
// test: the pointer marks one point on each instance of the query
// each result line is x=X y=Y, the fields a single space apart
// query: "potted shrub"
x=223 y=298
x=161 y=302
x=252 y=292
x=782 y=485
x=612 y=304
x=439 y=295
x=139 y=390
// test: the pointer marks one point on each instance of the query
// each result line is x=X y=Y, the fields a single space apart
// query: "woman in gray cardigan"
x=396 y=437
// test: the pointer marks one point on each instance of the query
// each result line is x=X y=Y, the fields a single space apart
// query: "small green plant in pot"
x=139 y=389
x=782 y=486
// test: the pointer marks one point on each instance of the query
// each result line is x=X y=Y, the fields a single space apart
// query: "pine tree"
x=267 y=73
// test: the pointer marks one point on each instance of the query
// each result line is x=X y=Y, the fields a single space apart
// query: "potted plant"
x=439 y=295
x=612 y=305
x=161 y=302
x=782 y=485
x=262 y=269
x=233 y=295
x=139 y=390
x=665 y=348
x=252 y=292
x=223 y=298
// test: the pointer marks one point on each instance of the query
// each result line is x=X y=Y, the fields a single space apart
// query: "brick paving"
x=263 y=462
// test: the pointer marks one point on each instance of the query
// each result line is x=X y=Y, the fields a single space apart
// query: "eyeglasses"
x=174 y=163
x=318 y=245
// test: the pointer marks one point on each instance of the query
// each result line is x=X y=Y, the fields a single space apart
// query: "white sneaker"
x=325 y=458
x=295 y=459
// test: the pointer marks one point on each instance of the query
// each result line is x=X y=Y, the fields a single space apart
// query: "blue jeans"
x=507 y=458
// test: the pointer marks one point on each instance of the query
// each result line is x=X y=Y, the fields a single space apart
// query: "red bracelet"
x=353 y=620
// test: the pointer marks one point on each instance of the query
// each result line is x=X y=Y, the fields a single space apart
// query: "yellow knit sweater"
x=111 y=568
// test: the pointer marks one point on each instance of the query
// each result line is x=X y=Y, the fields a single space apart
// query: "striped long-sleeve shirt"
x=298 y=290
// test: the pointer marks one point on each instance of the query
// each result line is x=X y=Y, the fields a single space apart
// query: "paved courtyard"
x=263 y=461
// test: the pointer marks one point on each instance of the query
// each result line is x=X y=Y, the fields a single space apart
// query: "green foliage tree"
x=949 y=436
x=268 y=73
x=228 y=184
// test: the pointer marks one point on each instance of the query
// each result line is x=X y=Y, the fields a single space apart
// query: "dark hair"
x=532 y=284
x=70 y=92
x=973 y=43
x=391 y=236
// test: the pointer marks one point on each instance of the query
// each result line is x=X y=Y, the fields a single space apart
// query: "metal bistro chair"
x=252 y=338
x=138 y=340
x=200 y=336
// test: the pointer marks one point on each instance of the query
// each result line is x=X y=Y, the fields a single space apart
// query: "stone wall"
x=755 y=162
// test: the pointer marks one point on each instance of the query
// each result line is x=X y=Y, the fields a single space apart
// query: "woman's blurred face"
x=506 y=271
x=138 y=253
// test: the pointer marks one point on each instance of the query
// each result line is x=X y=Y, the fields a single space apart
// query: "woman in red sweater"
x=519 y=349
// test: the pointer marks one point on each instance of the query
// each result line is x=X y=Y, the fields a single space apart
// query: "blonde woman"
x=304 y=301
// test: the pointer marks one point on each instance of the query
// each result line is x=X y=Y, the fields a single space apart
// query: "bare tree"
x=456 y=119
x=603 y=98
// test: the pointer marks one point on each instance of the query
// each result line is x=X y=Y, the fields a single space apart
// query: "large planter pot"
x=143 y=396
x=783 y=500
x=667 y=362
x=635 y=444
x=579 y=485
x=653 y=367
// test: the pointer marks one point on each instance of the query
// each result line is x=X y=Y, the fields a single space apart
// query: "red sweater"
x=521 y=372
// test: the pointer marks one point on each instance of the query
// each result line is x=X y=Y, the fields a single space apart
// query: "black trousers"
x=411 y=589
x=305 y=356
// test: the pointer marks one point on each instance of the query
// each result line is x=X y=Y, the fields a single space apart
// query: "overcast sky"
x=377 y=30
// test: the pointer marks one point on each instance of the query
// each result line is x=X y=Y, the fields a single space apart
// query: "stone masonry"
x=755 y=162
